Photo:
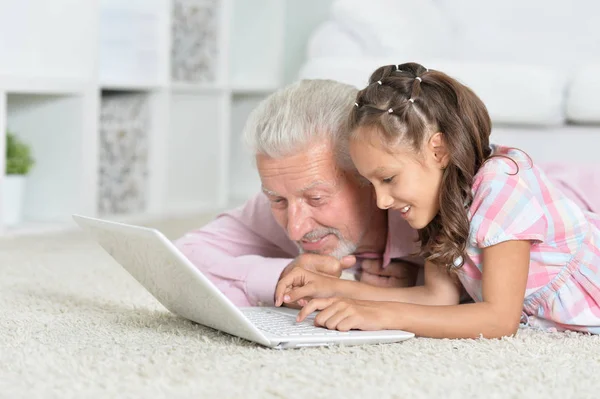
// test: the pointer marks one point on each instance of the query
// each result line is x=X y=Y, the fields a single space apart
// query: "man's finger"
x=401 y=269
x=347 y=262
x=332 y=267
x=383 y=281
x=319 y=263
x=374 y=279
x=372 y=266
x=398 y=269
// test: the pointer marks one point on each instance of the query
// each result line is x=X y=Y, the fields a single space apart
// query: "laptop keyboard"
x=282 y=324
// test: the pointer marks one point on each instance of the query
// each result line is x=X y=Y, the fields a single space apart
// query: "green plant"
x=18 y=156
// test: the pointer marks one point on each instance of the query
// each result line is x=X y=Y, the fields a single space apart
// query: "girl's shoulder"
x=505 y=203
x=505 y=164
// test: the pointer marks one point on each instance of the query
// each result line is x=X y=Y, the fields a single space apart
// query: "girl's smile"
x=404 y=180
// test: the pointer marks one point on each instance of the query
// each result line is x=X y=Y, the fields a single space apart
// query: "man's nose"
x=298 y=223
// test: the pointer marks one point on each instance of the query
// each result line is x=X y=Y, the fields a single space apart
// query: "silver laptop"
x=175 y=282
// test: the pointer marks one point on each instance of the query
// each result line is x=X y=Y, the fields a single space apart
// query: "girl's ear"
x=438 y=149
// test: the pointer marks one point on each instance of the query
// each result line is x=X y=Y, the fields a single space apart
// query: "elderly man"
x=314 y=210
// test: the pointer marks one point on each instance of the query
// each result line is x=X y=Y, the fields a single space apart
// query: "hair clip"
x=379 y=81
x=356 y=105
x=411 y=100
x=390 y=110
x=419 y=79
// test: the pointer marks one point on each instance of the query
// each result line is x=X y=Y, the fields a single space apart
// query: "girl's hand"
x=301 y=285
x=346 y=314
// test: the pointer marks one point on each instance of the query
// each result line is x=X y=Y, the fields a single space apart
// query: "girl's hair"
x=406 y=104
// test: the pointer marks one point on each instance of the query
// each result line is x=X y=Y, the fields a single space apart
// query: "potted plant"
x=18 y=164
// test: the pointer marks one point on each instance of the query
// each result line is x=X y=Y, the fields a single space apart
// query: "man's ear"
x=438 y=149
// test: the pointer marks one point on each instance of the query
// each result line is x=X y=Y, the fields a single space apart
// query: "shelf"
x=142 y=218
x=47 y=44
x=124 y=141
x=55 y=86
x=135 y=87
x=184 y=87
x=243 y=177
x=57 y=185
x=200 y=65
x=252 y=89
x=131 y=48
x=197 y=150
x=174 y=212
x=196 y=41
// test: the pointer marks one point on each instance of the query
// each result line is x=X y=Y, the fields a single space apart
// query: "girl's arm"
x=439 y=288
x=505 y=271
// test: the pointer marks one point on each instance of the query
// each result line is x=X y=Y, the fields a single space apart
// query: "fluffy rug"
x=74 y=324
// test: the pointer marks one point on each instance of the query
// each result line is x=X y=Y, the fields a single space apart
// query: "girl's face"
x=404 y=180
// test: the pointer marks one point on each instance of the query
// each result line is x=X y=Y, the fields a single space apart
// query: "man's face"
x=323 y=209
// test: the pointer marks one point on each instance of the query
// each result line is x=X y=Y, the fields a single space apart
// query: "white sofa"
x=535 y=63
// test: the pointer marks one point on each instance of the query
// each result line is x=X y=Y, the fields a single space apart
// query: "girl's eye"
x=388 y=180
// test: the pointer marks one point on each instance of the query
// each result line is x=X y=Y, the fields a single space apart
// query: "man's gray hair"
x=300 y=114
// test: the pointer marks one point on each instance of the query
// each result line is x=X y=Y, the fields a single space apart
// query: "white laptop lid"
x=169 y=276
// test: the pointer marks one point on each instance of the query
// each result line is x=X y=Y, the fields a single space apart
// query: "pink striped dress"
x=563 y=287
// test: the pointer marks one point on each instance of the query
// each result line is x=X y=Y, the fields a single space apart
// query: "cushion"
x=582 y=97
x=331 y=40
x=513 y=93
x=541 y=32
x=408 y=29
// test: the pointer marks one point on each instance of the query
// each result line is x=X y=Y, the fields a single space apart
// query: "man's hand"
x=322 y=264
x=300 y=286
x=396 y=274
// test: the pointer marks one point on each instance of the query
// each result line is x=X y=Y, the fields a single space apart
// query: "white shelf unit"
x=62 y=181
x=190 y=142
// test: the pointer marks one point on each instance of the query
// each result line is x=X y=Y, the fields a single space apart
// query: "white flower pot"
x=13 y=188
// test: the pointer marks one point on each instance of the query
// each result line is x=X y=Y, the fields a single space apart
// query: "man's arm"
x=243 y=252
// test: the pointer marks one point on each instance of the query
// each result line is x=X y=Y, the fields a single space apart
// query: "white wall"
x=301 y=19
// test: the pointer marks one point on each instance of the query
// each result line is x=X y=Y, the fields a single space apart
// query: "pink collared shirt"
x=244 y=251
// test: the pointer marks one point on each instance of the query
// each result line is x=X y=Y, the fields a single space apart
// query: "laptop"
x=156 y=263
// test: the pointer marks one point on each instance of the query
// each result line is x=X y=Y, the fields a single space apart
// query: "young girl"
x=489 y=221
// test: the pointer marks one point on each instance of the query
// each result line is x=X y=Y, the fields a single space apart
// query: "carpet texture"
x=74 y=324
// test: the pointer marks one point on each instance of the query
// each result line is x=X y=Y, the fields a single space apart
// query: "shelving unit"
x=134 y=109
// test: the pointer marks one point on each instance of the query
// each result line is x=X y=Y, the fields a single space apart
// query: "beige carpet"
x=73 y=324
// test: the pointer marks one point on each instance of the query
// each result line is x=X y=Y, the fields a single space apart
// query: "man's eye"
x=388 y=180
x=278 y=200
x=316 y=199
